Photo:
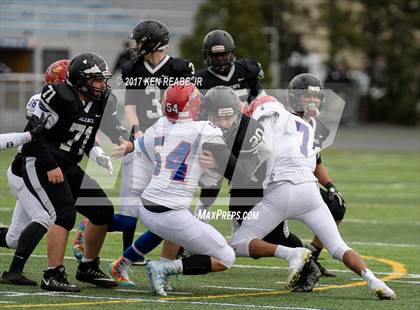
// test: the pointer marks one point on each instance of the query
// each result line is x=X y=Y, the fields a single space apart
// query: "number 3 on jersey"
x=174 y=161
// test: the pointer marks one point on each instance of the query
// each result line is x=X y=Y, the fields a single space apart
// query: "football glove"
x=333 y=193
x=98 y=155
x=38 y=125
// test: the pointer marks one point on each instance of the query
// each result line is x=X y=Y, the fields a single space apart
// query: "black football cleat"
x=89 y=272
x=324 y=271
x=309 y=276
x=15 y=278
x=56 y=280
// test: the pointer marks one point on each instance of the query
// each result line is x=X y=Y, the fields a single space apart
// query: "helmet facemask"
x=306 y=103
x=220 y=62
x=227 y=119
x=95 y=92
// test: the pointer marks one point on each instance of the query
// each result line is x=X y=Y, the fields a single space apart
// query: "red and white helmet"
x=258 y=102
x=57 y=71
x=182 y=101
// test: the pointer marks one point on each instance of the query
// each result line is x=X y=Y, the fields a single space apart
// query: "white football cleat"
x=156 y=277
x=381 y=290
x=296 y=263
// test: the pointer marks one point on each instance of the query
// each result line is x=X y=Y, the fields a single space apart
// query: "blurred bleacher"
x=71 y=27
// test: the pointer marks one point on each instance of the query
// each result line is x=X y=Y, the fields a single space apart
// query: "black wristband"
x=329 y=185
x=136 y=128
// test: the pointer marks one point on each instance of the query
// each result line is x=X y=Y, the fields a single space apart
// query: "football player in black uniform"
x=145 y=78
x=305 y=98
x=223 y=69
x=76 y=108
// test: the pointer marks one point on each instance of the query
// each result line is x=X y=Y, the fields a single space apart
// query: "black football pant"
x=78 y=192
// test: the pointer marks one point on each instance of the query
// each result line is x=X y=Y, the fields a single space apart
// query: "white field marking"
x=171 y=301
x=408 y=275
x=318 y=284
x=241 y=288
x=148 y=291
x=6 y=302
x=411 y=282
x=376 y=222
x=364 y=205
x=395 y=245
x=392 y=245
x=398 y=281
x=383 y=195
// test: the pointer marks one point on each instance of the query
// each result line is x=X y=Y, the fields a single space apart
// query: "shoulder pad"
x=252 y=68
x=62 y=92
x=253 y=138
x=202 y=72
x=127 y=69
x=267 y=109
x=183 y=66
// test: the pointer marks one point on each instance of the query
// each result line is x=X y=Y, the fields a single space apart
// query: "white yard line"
x=148 y=291
x=219 y=304
x=398 y=281
x=240 y=288
x=409 y=275
x=376 y=222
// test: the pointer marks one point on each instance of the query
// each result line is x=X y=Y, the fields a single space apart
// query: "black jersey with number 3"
x=145 y=85
x=72 y=126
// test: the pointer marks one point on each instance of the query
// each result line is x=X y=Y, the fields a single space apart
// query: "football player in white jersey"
x=14 y=139
x=175 y=143
x=291 y=192
x=310 y=108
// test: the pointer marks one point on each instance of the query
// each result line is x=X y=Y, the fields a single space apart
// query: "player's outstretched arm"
x=9 y=140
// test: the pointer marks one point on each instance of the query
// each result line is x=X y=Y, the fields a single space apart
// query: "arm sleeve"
x=111 y=125
x=9 y=140
x=40 y=150
x=229 y=165
x=208 y=195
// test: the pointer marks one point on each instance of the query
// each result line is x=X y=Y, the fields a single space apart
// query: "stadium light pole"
x=273 y=44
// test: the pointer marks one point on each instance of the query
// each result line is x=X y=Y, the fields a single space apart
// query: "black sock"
x=293 y=241
x=317 y=251
x=128 y=237
x=28 y=241
x=196 y=264
x=3 y=233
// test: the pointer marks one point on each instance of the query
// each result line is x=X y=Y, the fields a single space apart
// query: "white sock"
x=165 y=260
x=175 y=266
x=367 y=275
x=127 y=261
x=86 y=260
x=283 y=252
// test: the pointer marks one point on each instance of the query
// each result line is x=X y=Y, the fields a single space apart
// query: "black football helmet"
x=152 y=34
x=84 y=67
x=218 y=42
x=222 y=101
x=305 y=84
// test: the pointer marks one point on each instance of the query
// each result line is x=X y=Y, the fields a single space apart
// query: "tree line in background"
x=385 y=34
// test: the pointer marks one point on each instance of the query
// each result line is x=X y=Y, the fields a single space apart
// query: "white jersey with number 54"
x=293 y=156
x=175 y=148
